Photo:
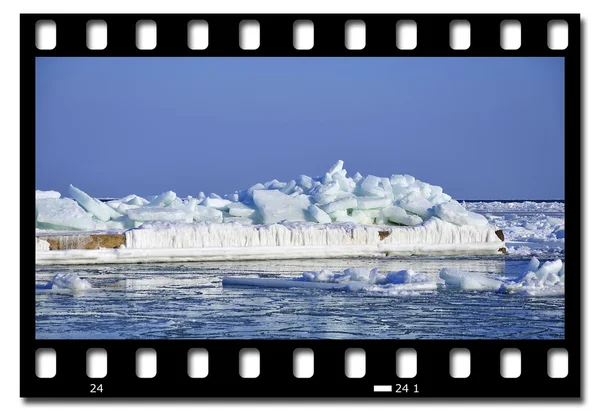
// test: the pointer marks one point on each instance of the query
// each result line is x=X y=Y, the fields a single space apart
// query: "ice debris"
x=547 y=280
x=66 y=281
x=333 y=197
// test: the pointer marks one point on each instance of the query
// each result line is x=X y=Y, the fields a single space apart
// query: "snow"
x=66 y=281
x=39 y=194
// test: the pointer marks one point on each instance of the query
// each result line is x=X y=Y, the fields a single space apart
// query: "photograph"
x=299 y=198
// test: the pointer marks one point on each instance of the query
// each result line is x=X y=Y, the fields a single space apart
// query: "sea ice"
x=417 y=205
x=163 y=200
x=208 y=214
x=217 y=203
x=319 y=215
x=547 y=280
x=467 y=281
x=455 y=213
x=68 y=281
x=39 y=194
x=100 y=210
x=159 y=214
x=62 y=214
x=340 y=205
x=334 y=196
x=241 y=210
x=275 y=206
x=399 y=215
x=353 y=279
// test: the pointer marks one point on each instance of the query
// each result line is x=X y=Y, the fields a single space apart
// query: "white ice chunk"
x=238 y=220
x=398 y=180
x=289 y=187
x=534 y=264
x=39 y=194
x=62 y=214
x=325 y=193
x=440 y=198
x=455 y=213
x=254 y=188
x=417 y=205
x=208 y=214
x=218 y=203
x=319 y=215
x=122 y=208
x=138 y=201
x=305 y=182
x=465 y=281
x=399 y=215
x=100 y=210
x=406 y=277
x=275 y=206
x=67 y=281
x=163 y=200
x=339 y=205
x=367 y=203
x=370 y=186
x=241 y=210
x=159 y=214
x=549 y=267
x=337 y=167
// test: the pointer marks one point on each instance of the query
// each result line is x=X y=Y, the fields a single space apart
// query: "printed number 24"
x=96 y=388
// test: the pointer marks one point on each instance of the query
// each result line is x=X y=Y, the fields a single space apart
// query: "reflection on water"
x=187 y=301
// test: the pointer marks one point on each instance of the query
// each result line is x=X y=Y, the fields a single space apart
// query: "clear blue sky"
x=482 y=128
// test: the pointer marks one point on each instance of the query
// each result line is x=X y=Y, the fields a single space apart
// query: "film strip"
x=276 y=377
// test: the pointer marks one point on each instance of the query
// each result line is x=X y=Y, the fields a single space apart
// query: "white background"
x=9 y=175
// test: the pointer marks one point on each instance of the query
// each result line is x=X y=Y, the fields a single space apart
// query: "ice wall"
x=209 y=235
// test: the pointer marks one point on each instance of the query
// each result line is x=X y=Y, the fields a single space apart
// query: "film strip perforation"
x=276 y=35
x=276 y=368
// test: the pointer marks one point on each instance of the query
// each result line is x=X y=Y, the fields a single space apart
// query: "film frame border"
x=276 y=378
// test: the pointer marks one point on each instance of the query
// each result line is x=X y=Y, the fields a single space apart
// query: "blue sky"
x=482 y=128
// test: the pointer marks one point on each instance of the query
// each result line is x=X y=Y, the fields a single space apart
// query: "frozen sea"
x=188 y=301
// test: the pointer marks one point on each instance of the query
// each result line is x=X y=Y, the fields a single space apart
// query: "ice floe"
x=546 y=281
x=66 y=281
x=351 y=279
